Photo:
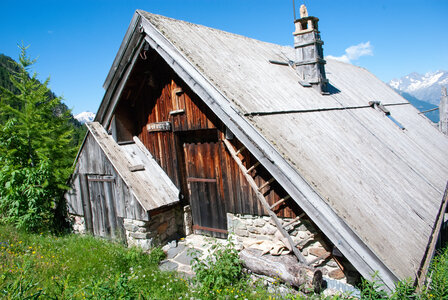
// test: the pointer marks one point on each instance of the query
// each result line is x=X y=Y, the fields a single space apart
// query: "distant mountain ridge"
x=426 y=87
x=423 y=91
x=422 y=106
x=85 y=117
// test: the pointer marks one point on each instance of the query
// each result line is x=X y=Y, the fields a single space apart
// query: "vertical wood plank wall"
x=191 y=122
x=120 y=202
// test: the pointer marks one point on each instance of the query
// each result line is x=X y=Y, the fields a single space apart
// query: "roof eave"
x=120 y=69
x=430 y=250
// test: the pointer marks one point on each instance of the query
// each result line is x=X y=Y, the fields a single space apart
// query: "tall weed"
x=437 y=286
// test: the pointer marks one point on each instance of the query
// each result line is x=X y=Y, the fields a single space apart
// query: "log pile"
x=284 y=267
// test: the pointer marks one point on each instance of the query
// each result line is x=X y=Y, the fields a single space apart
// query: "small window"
x=177 y=101
x=178 y=98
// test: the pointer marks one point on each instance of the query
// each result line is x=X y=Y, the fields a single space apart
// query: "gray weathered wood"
x=433 y=240
x=151 y=192
x=84 y=185
x=136 y=168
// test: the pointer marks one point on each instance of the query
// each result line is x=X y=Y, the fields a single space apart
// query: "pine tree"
x=36 y=152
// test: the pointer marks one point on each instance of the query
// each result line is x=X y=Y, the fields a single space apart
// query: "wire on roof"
x=295 y=111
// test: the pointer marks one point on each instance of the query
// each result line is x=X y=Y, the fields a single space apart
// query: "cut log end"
x=286 y=268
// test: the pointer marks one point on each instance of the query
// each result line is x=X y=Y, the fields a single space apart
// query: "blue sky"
x=76 y=41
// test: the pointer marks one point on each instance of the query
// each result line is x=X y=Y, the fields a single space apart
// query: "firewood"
x=286 y=268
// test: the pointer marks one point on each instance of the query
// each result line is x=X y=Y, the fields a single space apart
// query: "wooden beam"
x=177 y=112
x=197 y=227
x=136 y=168
x=421 y=276
x=119 y=74
x=264 y=203
x=294 y=220
x=240 y=150
x=253 y=167
x=194 y=179
x=104 y=179
x=280 y=201
x=266 y=184
x=123 y=48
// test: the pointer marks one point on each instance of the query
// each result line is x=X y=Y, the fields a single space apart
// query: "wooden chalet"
x=201 y=119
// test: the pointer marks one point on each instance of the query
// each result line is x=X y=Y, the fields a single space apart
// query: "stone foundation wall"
x=247 y=228
x=161 y=228
x=158 y=230
x=78 y=224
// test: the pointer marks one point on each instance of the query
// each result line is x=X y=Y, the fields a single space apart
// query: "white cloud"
x=354 y=52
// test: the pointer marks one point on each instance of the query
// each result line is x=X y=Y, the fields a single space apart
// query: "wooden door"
x=204 y=180
x=105 y=222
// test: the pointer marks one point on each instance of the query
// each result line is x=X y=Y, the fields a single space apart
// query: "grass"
x=438 y=277
x=80 y=267
x=44 y=266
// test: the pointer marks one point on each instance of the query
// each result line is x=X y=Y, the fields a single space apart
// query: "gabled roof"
x=374 y=189
x=137 y=167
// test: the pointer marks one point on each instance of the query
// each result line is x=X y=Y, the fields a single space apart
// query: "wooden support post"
x=264 y=203
x=240 y=150
x=293 y=220
x=280 y=201
x=266 y=184
x=253 y=167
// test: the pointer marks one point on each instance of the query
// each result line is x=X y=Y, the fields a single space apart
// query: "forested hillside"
x=39 y=139
x=9 y=66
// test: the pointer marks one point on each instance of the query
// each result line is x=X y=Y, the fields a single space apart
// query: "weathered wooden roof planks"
x=151 y=191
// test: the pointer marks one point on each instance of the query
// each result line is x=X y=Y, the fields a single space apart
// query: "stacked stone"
x=78 y=224
x=167 y=225
x=158 y=230
x=138 y=233
x=248 y=227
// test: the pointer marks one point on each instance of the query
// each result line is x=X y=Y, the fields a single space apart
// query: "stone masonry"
x=158 y=230
x=247 y=228
x=78 y=224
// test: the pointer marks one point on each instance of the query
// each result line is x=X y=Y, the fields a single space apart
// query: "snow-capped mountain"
x=425 y=87
x=85 y=116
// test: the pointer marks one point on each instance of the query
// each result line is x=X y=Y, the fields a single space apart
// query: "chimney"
x=443 y=112
x=309 y=64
